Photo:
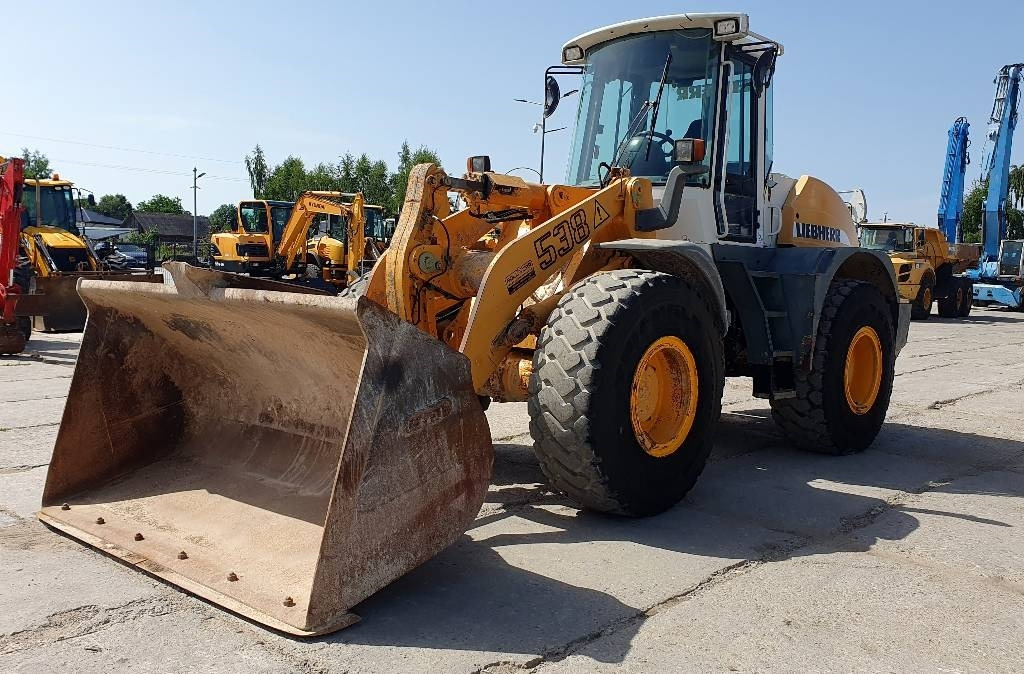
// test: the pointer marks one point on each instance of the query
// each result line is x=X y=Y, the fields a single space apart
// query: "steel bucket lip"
x=191 y=587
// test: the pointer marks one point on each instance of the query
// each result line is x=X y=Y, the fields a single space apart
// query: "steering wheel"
x=662 y=138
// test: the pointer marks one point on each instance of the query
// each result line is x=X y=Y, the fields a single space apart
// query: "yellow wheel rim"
x=863 y=375
x=926 y=299
x=663 y=399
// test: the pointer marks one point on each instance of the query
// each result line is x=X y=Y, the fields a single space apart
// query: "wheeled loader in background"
x=286 y=456
x=54 y=256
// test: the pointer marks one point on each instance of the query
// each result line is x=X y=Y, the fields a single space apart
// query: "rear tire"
x=921 y=307
x=964 y=310
x=950 y=307
x=821 y=417
x=584 y=391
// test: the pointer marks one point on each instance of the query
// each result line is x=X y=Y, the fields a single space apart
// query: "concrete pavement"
x=907 y=557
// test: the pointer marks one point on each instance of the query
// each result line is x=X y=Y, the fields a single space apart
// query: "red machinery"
x=14 y=330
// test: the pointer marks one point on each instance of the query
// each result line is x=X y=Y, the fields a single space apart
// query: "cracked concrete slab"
x=877 y=561
x=835 y=611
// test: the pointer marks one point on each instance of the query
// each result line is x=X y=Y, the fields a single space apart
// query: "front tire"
x=841 y=403
x=626 y=391
x=921 y=307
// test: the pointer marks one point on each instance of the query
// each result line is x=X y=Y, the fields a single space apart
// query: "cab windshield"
x=889 y=239
x=374 y=227
x=254 y=217
x=1010 y=258
x=619 y=78
x=53 y=205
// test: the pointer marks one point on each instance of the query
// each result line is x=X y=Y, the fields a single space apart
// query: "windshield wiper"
x=657 y=104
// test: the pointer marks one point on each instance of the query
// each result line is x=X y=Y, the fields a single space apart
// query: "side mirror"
x=764 y=70
x=552 y=95
x=91 y=199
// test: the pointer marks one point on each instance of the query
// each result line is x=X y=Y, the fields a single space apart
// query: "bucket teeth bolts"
x=289 y=602
x=100 y=520
x=232 y=577
x=139 y=537
x=182 y=555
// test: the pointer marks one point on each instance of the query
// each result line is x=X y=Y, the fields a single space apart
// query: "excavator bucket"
x=63 y=310
x=283 y=455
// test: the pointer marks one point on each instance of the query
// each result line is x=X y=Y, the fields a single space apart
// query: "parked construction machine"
x=249 y=249
x=15 y=330
x=54 y=254
x=351 y=244
x=287 y=455
x=927 y=267
x=272 y=238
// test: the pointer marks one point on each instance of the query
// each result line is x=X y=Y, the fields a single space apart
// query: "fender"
x=680 y=258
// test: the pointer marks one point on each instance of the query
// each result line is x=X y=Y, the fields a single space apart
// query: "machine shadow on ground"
x=768 y=504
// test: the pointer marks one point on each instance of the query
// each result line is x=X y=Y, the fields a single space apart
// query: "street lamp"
x=195 y=218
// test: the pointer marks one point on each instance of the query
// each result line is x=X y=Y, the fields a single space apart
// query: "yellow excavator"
x=351 y=244
x=271 y=239
x=54 y=255
x=249 y=249
x=287 y=455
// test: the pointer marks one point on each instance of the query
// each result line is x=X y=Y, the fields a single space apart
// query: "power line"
x=121 y=149
x=140 y=169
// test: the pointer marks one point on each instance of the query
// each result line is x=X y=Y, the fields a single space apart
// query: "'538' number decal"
x=562 y=239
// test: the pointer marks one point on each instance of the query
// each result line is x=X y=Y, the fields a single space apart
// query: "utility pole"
x=195 y=205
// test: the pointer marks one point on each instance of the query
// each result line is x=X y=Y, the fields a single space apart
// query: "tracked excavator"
x=286 y=456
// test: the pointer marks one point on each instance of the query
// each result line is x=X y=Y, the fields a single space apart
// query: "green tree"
x=223 y=218
x=259 y=172
x=974 y=214
x=1015 y=191
x=113 y=206
x=147 y=238
x=37 y=165
x=400 y=180
x=160 y=203
x=287 y=181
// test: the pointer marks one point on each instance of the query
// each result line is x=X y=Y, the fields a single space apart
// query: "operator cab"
x=888 y=238
x=1011 y=252
x=649 y=84
x=262 y=217
x=49 y=203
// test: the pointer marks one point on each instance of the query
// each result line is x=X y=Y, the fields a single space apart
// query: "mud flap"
x=283 y=455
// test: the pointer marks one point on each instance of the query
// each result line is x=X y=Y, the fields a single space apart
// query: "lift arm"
x=12 y=180
x=995 y=167
x=310 y=204
x=951 y=203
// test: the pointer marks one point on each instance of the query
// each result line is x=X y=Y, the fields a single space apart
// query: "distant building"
x=170 y=228
x=86 y=218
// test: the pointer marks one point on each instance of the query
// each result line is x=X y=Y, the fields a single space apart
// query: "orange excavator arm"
x=309 y=205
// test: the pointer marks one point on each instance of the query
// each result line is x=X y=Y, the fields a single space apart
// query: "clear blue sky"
x=864 y=94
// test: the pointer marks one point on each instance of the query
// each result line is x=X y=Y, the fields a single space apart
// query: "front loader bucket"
x=63 y=310
x=284 y=455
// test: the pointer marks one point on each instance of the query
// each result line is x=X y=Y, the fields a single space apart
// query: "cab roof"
x=591 y=39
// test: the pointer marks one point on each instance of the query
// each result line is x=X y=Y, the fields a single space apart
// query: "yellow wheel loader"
x=54 y=255
x=286 y=456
